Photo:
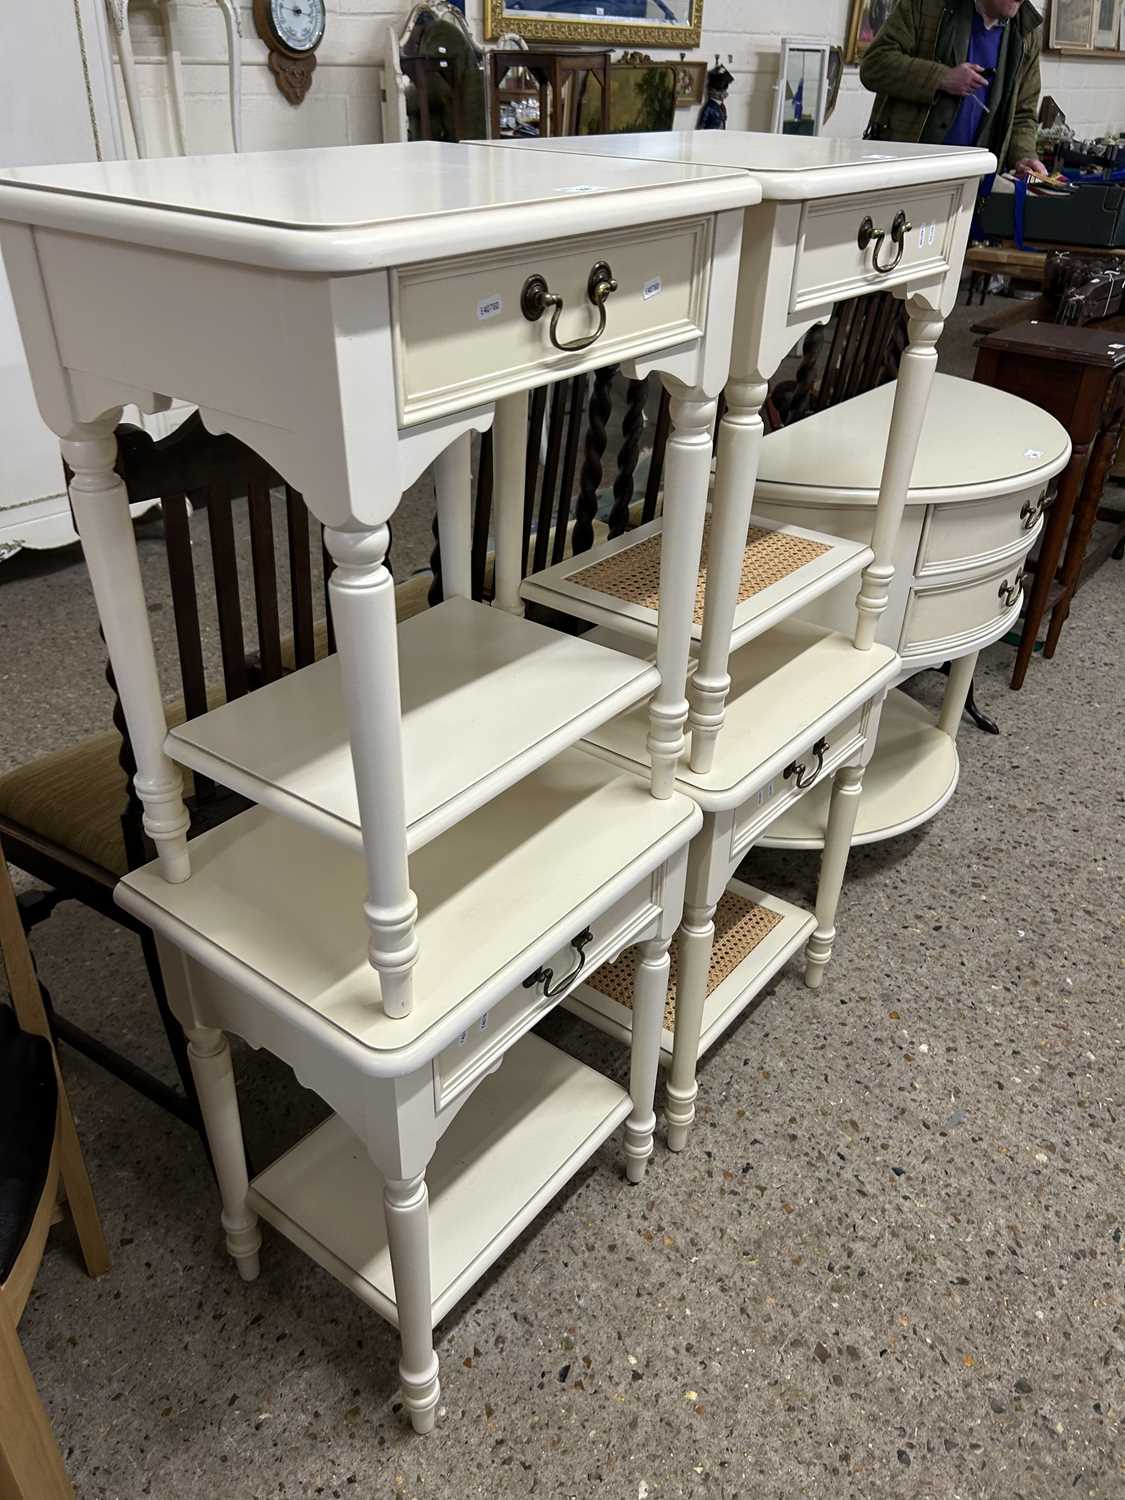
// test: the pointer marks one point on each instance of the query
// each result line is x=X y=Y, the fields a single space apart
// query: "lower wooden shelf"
x=518 y=1139
x=911 y=777
x=767 y=939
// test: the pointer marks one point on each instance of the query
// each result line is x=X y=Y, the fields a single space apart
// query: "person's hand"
x=1030 y=166
x=964 y=79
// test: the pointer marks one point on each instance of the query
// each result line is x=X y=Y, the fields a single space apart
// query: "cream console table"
x=973 y=512
x=778 y=705
x=430 y=865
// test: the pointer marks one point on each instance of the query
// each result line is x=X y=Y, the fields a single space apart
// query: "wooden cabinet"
x=985 y=466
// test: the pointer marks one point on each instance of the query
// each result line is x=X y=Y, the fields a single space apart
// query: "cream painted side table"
x=775 y=706
x=352 y=315
x=973 y=512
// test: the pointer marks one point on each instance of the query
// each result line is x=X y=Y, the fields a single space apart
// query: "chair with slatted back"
x=859 y=348
x=71 y=818
x=562 y=499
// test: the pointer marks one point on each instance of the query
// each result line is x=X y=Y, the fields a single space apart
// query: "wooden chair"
x=858 y=349
x=71 y=818
x=36 y=1110
x=561 y=497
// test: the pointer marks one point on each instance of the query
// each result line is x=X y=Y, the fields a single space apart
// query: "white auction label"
x=488 y=307
x=652 y=288
x=1033 y=453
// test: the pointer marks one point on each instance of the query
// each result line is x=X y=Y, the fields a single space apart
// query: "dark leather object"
x=28 y=1105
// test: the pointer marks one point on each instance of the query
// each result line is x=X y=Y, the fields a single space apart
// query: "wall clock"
x=292 y=30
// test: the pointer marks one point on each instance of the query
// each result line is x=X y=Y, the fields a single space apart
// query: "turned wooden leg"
x=363 y=612
x=209 y=1054
x=687 y=474
x=1085 y=517
x=912 y=394
x=650 y=992
x=406 y=1204
x=1050 y=550
x=509 y=461
x=957 y=693
x=842 y=809
x=740 y=443
x=101 y=514
x=695 y=940
x=453 y=484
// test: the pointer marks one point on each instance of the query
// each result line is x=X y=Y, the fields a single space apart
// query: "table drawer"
x=975 y=533
x=830 y=262
x=462 y=336
x=629 y=920
x=955 y=615
x=781 y=791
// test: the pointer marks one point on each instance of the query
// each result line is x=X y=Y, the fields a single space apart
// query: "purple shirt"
x=984 y=50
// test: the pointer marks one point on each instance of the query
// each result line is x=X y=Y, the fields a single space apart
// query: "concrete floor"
x=888 y=1264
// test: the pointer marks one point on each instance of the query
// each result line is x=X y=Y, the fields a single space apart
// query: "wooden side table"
x=778 y=706
x=431 y=863
x=1076 y=375
x=562 y=77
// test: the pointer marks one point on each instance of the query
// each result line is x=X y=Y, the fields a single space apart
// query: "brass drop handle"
x=544 y=975
x=798 y=768
x=869 y=235
x=536 y=298
x=1030 y=513
x=1010 y=592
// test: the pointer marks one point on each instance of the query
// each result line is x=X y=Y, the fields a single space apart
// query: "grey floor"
x=888 y=1264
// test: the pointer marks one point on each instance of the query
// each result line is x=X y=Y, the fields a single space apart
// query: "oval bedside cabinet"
x=980 y=485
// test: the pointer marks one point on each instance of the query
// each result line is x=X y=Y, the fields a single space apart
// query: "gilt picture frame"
x=864 y=21
x=617 y=23
x=691 y=83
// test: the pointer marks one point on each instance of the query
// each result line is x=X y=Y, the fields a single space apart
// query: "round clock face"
x=299 y=23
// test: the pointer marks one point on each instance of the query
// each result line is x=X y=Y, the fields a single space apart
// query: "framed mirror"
x=651 y=23
x=433 y=77
x=800 y=104
x=1073 y=24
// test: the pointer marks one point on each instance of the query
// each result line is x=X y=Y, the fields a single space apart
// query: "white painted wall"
x=54 y=107
x=343 y=105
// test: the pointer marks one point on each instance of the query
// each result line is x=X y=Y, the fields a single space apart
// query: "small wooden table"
x=561 y=77
x=1076 y=375
x=431 y=863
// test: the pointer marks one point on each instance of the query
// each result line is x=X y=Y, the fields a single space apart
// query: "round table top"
x=976 y=441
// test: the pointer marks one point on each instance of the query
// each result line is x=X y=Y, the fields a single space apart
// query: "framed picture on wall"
x=864 y=21
x=691 y=80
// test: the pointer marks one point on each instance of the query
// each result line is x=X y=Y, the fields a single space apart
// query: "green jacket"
x=914 y=47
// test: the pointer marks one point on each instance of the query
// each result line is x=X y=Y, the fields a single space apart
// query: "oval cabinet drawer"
x=976 y=532
x=956 y=615
x=852 y=245
x=481 y=326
